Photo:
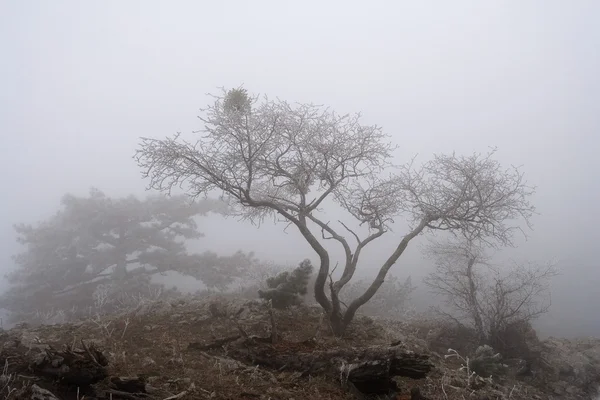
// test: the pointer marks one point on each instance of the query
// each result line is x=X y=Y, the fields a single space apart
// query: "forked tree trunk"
x=341 y=320
x=336 y=320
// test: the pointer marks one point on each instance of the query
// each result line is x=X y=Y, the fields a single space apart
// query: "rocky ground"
x=214 y=348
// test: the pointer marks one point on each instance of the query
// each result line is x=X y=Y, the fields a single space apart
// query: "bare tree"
x=481 y=295
x=271 y=158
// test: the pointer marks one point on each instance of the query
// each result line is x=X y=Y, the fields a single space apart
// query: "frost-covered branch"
x=272 y=158
x=482 y=295
x=472 y=196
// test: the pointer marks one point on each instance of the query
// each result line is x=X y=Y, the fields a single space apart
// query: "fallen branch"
x=370 y=369
x=393 y=361
x=96 y=356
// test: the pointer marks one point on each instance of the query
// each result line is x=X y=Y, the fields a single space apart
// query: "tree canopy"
x=97 y=241
x=271 y=158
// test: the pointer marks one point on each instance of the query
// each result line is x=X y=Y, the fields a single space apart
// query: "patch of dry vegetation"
x=190 y=349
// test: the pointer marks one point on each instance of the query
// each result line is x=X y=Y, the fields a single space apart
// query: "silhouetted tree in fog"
x=96 y=245
x=487 y=298
x=270 y=158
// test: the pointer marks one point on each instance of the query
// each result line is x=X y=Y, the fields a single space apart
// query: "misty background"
x=81 y=81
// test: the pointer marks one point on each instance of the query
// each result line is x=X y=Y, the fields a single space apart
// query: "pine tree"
x=288 y=287
x=97 y=241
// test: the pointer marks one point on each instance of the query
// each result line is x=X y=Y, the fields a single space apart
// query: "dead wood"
x=366 y=361
x=78 y=367
x=369 y=369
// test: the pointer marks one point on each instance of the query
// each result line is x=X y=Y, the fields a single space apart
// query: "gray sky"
x=81 y=81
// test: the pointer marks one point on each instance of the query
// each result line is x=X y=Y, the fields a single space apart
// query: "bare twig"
x=271 y=158
x=125 y=329
x=489 y=301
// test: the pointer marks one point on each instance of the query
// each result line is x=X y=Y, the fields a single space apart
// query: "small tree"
x=481 y=296
x=286 y=288
x=272 y=158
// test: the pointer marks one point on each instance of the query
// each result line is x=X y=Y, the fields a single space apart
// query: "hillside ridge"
x=220 y=347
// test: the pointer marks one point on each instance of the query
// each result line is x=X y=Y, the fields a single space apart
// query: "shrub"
x=518 y=340
x=288 y=288
x=441 y=335
x=486 y=363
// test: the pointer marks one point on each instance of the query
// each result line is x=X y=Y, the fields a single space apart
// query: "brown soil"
x=183 y=349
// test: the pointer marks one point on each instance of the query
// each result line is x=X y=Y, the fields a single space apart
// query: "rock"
x=571 y=364
x=217 y=309
x=419 y=344
x=149 y=328
x=558 y=390
x=147 y=362
x=487 y=363
x=571 y=390
x=229 y=364
x=152 y=379
x=199 y=320
x=10 y=344
x=39 y=393
x=176 y=360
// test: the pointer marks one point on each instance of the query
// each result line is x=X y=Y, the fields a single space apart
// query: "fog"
x=82 y=81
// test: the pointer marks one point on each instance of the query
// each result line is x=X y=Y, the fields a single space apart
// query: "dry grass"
x=154 y=344
x=158 y=342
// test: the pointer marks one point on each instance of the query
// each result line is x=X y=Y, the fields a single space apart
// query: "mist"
x=82 y=81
